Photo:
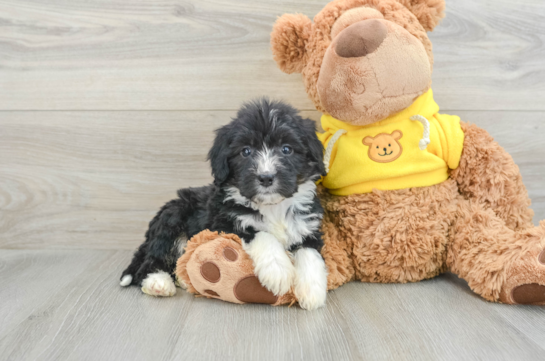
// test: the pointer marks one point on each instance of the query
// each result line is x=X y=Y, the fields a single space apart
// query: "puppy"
x=265 y=164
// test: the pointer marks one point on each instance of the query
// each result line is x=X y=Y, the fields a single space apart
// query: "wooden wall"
x=108 y=106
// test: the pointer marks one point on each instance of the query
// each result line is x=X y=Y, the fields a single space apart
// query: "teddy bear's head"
x=361 y=60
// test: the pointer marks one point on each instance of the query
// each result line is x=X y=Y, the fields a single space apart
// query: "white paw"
x=311 y=279
x=277 y=276
x=125 y=281
x=310 y=296
x=159 y=284
x=272 y=265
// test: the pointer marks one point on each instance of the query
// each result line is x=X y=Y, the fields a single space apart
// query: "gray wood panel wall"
x=107 y=107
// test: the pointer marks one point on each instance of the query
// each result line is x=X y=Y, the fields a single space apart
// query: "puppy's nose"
x=384 y=149
x=266 y=180
x=361 y=38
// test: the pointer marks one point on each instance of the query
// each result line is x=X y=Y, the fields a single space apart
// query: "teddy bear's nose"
x=361 y=38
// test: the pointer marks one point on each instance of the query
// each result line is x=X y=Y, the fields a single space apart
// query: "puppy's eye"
x=246 y=151
x=287 y=150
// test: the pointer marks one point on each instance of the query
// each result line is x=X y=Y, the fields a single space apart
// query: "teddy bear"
x=410 y=192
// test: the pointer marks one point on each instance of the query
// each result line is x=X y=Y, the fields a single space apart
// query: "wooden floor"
x=67 y=305
x=107 y=107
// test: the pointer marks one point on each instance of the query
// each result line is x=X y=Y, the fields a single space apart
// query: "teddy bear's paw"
x=180 y=283
x=525 y=284
x=529 y=294
x=159 y=284
x=221 y=269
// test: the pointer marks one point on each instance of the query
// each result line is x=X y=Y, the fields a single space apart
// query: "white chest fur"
x=288 y=221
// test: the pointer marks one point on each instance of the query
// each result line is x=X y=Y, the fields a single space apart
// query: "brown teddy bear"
x=410 y=193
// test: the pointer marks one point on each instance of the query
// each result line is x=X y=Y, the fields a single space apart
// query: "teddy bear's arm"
x=488 y=174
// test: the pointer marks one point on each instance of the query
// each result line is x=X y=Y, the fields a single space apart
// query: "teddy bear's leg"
x=389 y=236
x=337 y=250
x=216 y=266
x=488 y=175
x=498 y=263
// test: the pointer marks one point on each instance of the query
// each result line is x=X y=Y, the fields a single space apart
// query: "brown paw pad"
x=230 y=254
x=211 y=293
x=250 y=290
x=210 y=272
x=529 y=294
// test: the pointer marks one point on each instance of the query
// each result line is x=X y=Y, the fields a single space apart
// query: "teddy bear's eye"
x=377 y=146
x=389 y=145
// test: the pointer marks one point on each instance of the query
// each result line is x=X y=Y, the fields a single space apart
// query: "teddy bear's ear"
x=428 y=12
x=288 y=40
x=397 y=135
x=368 y=140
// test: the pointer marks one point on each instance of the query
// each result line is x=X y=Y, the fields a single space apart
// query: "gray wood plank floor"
x=107 y=107
x=67 y=305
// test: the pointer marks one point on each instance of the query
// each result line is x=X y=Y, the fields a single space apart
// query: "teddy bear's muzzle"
x=372 y=69
x=361 y=38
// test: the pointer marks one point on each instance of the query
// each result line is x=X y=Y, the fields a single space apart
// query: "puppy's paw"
x=272 y=265
x=310 y=295
x=159 y=284
x=311 y=279
x=125 y=281
x=277 y=274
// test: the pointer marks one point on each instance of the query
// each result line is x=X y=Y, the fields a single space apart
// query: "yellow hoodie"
x=393 y=153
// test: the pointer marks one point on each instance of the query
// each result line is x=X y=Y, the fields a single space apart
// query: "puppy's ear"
x=219 y=155
x=315 y=149
x=288 y=41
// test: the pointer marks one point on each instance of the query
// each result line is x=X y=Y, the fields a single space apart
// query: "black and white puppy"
x=265 y=164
